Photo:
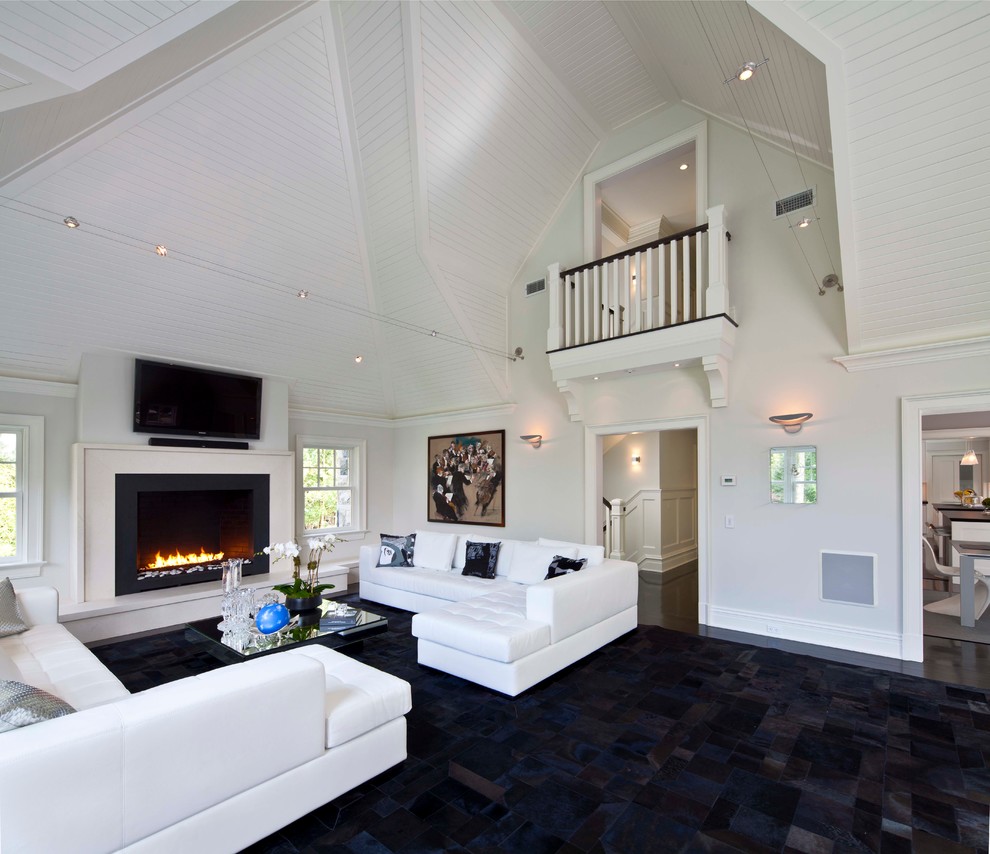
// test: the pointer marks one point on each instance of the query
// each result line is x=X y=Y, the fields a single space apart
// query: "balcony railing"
x=674 y=280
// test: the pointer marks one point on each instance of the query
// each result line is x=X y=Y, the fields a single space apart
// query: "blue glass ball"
x=271 y=618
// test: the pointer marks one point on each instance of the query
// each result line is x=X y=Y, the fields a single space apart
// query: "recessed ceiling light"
x=804 y=223
x=303 y=294
x=595 y=378
x=683 y=166
x=71 y=222
x=161 y=250
x=359 y=359
x=677 y=364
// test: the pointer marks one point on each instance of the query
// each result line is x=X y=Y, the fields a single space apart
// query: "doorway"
x=647 y=195
x=658 y=474
x=913 y=478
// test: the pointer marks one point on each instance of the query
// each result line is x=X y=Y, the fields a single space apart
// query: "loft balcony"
x=645 y=309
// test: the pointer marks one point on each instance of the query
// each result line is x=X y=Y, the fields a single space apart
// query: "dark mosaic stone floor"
x=658 y=742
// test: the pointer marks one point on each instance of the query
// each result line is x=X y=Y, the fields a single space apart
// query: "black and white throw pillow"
x=23 y=705
x=480 y=559
x=396 y=550
x=565 y=566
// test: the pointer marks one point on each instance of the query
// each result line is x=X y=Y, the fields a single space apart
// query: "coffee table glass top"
x=334 y=625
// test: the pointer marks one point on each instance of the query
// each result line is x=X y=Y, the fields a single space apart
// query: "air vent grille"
x=804 y=199
x=536 y=287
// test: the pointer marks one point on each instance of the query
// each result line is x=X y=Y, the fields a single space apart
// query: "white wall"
x=765 y=570
x=622 y=478
x=106 y=404
x=678 y=459
x=56 y=403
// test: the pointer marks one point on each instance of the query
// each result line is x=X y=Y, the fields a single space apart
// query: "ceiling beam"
x=333 y=34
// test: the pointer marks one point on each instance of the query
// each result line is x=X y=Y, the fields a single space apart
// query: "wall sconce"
x=535 y=439
x=636 y=458
x=791 y=423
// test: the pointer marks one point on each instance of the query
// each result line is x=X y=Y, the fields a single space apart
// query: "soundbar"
x=196 y=443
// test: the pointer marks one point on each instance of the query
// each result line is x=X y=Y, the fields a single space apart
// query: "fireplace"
x=175 y=529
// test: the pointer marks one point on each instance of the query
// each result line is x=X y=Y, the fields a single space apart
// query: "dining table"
x=969 y=553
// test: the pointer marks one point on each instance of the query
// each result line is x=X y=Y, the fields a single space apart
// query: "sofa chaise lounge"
x=516 y=629
x=209 y=763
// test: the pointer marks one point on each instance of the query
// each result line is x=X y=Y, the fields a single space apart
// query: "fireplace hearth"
x=175 y=529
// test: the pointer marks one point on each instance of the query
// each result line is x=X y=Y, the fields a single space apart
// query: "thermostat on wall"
x=728 y=480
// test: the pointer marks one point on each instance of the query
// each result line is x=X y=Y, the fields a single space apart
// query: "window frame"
x=357 y=473
x=30 y=455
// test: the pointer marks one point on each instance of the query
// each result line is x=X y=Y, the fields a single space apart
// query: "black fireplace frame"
x=128 y=486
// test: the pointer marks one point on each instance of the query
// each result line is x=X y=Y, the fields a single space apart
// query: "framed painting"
x=467 y=478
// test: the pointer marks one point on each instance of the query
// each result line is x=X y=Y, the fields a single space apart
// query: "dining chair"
x=952 y=604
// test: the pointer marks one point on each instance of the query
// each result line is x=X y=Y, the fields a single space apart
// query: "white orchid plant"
x=302 y=588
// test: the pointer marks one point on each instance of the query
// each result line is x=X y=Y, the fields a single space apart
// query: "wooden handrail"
x=698 y=229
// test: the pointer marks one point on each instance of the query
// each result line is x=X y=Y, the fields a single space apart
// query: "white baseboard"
x=887 y=644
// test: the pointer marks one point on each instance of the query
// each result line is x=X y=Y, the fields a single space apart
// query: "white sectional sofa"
x=512 y=631
x=210 y=763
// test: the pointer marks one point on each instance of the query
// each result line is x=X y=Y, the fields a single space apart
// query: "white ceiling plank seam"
x=412 y=41
x=333 y=27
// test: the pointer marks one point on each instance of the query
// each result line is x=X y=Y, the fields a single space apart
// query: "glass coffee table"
x=303 y=629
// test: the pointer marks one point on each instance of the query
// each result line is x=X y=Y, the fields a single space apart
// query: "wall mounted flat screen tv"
x=186 y=401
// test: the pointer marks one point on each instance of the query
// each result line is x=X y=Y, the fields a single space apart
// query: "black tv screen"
x=185 y=401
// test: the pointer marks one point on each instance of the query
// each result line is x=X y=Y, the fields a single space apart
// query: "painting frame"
x=466 y=478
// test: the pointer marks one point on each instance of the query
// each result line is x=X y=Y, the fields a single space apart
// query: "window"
x=22 y=444
x=331 y=472
x=794 y=475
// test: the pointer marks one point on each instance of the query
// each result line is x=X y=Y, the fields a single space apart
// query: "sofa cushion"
x=594 y=554
x=11 y=621
x=505 y=550
x=530 y=563
x=434 y=550
x=449 y=586
x=565 y=565
x=493 y=626
x=359 y=698
x=50 y=657
x=397 y=550
x=23 y=705
x=480 y=559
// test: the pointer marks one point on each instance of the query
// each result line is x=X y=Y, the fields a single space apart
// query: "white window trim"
x=359 y=484
x=32 y=528
x=790 y=481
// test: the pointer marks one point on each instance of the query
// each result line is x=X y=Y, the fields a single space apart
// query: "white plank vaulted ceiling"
x=398 y=161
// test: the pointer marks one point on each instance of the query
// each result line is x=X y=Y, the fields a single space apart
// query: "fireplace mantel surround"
x=91 y=594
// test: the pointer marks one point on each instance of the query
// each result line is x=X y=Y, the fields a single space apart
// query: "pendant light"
x=970 y=457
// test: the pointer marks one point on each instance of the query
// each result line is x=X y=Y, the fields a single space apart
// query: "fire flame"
x=175 y=559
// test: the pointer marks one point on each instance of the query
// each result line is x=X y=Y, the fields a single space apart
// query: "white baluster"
x=596 y=303
x=662 y=289
x=586 y=276
x=569 y=310
x=675 y=292
x=649 y=290
x=686 y=248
